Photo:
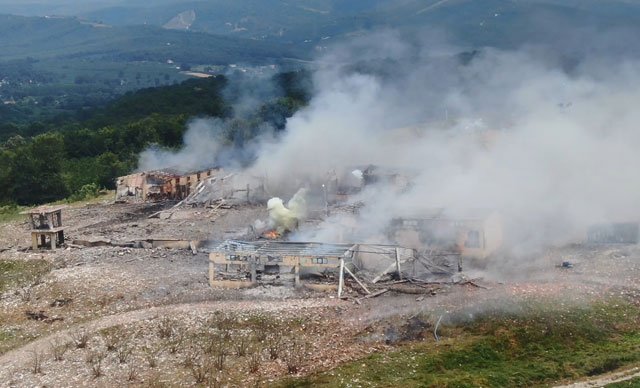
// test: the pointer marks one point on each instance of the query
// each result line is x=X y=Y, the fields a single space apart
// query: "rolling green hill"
x=51 y=37
x=53 y=66
x=470 y=22
x=303 y=25
x=47 y=161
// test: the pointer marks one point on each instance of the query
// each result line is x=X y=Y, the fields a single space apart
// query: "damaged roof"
x=283 y=248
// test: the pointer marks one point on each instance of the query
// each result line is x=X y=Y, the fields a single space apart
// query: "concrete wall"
x=488 y=232
x=472 y=238
x=130 y=187
x=138 y=187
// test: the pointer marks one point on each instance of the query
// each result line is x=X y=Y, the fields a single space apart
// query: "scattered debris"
x=61 y=302
x=435 y=329
x=36 y=316
x=92 y=242
x=41 y=316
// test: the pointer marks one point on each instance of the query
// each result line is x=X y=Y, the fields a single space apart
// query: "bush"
x=36 y=362
x=294 y=356
x=9 y=212
x=59 y=348
x=80 y=339
x=123 y=352
x=87 y=191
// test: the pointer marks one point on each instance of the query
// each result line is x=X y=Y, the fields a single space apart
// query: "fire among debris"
x=271 y=235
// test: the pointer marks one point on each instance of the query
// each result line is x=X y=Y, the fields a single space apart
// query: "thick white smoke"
x=551 y=147
x=287 y=219
x=201 y=148
x=552 y=151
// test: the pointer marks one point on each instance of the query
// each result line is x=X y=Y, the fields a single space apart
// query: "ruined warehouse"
x=471 y=234
x=160 y=185
x=239 y=264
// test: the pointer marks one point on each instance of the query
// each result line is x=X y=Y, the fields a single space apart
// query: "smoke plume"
x=201 y=149
x=548 y=141
x=287 y=219
x=550 y=149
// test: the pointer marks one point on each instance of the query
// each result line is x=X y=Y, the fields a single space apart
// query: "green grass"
x=633 y=383
x=14 y=274
x=18 y=273
x=499 y=350
x=11 y=338
x=10 y=213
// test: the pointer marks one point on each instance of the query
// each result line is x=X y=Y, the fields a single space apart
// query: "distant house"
x=160 y=185
x=471 y=233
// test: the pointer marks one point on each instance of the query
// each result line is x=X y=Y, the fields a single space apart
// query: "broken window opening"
x=473 y=239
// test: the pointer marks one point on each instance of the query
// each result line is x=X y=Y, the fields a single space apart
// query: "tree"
x=5 y=176
x=109 y=168
x=37 y=170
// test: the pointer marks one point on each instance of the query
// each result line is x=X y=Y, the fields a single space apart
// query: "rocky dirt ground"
x=116 y=316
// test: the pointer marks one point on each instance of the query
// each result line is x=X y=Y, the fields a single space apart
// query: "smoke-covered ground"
x=551 y=147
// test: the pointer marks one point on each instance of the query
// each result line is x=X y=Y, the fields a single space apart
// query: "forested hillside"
x=90 y=149
x=497 y=23
x=58 y=37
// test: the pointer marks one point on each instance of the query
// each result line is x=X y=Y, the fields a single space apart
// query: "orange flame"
x=271 y=235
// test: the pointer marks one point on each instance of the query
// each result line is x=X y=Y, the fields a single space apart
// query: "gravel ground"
x=95 y=288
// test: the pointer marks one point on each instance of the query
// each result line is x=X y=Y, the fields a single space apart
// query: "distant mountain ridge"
x=48 y=37
x=476 y=22
x=182 y=21
x=243 y=30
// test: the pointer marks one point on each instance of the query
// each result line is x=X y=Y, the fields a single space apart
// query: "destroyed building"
x=160 y=185
x=239 y=264
x=341 y=185
x=233 y=188
x=614 y=233
x=471 y=233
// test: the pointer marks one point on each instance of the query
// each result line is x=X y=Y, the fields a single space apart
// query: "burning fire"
x=271 y=234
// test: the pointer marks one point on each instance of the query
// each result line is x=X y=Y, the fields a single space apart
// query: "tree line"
x=63 y=157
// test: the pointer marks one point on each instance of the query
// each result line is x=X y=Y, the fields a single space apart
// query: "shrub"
x=274 y=345
x=132 y=372
x=87 y=191
x=123 y=353
x=80 y=339
x=58 y=349
x=254 y=361
x=241 y=343
x=151 y=355
x=294 y=356
x=36 y=361
x=112 y=338
x=165 y=328
x=95 y=359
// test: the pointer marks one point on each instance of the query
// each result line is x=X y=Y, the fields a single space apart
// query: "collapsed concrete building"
x=194 y=188
x=160 y=185
x=232 y=188
x=239 y=264
x=471 y=234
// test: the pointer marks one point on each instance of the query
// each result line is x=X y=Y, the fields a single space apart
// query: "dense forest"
x=71 y=156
